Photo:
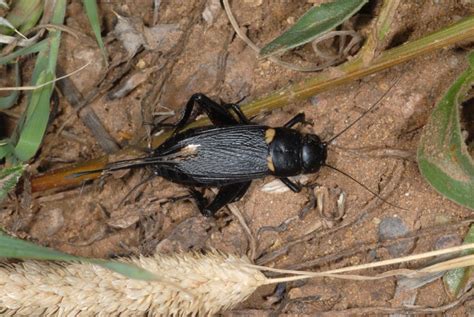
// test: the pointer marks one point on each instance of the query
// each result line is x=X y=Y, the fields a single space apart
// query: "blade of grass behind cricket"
x=92 y=12
x=315 y=22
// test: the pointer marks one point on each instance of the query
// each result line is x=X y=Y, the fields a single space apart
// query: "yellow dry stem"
x=212 y=283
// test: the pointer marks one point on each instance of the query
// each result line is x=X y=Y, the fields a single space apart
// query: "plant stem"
x=326 y=80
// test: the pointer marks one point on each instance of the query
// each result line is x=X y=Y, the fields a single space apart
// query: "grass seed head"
x=190 y=284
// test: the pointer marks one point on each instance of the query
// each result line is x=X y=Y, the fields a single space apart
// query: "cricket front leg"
x=294 y=187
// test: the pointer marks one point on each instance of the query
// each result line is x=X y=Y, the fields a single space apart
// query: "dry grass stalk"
x=213 y=282
x=190 y=284
x=46 y=83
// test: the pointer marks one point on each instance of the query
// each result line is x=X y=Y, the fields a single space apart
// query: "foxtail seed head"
x=198 y=285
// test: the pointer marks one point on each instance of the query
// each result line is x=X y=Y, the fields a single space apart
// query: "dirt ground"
x=202 y=54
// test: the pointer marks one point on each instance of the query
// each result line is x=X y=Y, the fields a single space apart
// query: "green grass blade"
x=8 y=179
x=3 y=151
x=6 y=148
x=125 y=269
x=46 y=61
x=23 y=15
x=5 y=23
x=35 y=48
x=14 y=248
x=92 y=12
x=443 y=157
x=32 y=125
x=317 y=21
x=37 y=115
x=457 y=279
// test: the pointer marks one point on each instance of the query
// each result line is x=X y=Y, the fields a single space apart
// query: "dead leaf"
x=134 y=34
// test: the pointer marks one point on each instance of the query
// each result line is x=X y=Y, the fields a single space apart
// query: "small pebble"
x=314 y=100
x=392 y=228
x=447 y=241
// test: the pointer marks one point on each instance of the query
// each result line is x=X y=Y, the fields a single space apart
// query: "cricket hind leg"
x=238 y=111
x=226 y=195
x=218 y=114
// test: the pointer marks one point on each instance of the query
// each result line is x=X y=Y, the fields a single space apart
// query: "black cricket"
x=232 y=152
x=229 y=154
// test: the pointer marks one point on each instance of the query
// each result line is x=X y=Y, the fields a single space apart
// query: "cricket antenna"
x=350 y=126
x=365 y=187
x=364 y=113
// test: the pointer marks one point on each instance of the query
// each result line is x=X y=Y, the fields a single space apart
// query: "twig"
x=88 y=116
x=63 y=28
x=252 y=241
x=156 y=9
x=46 y=83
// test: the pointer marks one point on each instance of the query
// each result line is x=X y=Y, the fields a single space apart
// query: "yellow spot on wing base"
x=270 y=165
x=269 y=135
